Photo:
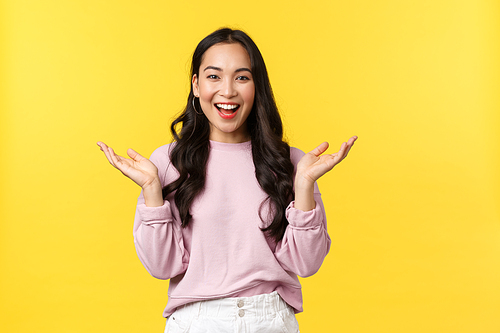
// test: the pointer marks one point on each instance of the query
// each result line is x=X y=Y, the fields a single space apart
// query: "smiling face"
x=226 y=91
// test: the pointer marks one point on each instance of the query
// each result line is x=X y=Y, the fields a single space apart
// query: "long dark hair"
x=271 y=155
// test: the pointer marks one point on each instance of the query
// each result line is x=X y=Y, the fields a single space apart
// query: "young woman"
x=228 y=211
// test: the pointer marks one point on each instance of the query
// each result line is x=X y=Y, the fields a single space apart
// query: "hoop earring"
x=194 y=107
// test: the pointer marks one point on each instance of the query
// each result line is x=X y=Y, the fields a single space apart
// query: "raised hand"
x=312 y=166
x=138 y=168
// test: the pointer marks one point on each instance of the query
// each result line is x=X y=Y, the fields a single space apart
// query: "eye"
x=212 y=76
x=243 y=78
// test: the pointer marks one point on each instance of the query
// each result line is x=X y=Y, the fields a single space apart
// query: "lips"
x=226 y=110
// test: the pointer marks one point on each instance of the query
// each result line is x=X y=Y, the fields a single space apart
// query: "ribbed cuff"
x=304 y=220
x=153 y=215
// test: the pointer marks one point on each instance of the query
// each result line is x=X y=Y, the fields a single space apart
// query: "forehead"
x=227 y=56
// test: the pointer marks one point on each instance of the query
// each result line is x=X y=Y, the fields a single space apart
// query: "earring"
x=194 y=107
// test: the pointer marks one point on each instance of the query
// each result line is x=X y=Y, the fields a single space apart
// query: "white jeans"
x=266 y=313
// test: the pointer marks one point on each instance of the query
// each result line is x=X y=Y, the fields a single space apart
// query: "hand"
x=313 y=165
x=138 y=168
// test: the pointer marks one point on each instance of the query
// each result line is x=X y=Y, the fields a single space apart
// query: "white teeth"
x=227 y=106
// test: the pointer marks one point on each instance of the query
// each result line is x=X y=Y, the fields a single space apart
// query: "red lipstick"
x=227 y=113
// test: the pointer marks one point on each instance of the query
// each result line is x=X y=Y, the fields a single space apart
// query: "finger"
x=350 y=143
x=106 y=149
x=102 y=145
x=134 y=155
x=342 y=149
x=319 y=149
x=341 y=153
x=115 y=158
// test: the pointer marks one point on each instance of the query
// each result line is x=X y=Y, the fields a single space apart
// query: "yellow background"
x=413 y=211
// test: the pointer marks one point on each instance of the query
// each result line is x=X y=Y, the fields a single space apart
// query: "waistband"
x=265 y=305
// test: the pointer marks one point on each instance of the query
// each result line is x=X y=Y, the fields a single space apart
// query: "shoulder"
x=295 y=155
x=162 y=154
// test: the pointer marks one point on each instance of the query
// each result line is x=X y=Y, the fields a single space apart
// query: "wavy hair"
x=271 y=154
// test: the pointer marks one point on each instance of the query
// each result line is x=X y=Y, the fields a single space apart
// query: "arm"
x=158 y=240
x=157 y=237
x=306 y=241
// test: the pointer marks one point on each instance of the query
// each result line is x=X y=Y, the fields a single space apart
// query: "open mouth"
x=227 y=109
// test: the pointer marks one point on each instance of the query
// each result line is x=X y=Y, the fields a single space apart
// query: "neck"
x=233 y=137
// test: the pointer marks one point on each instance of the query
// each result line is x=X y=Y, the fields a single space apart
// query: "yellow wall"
x=413 y=212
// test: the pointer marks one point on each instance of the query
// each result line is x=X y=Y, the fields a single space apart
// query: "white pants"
x=266 y=313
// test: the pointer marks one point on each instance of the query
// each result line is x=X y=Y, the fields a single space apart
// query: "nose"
x=228 y=89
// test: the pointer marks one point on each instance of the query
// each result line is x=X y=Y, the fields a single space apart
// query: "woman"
x=229 y=212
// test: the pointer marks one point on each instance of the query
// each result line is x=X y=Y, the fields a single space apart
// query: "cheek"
x=205 y=93
x=249 y=95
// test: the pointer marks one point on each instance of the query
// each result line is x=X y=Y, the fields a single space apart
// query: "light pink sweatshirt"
x=223 y=252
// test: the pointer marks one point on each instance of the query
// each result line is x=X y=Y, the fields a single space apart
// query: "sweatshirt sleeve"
x=157 y=235
x=306 y=242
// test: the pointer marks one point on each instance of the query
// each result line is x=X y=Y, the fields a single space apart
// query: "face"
x=226 y=91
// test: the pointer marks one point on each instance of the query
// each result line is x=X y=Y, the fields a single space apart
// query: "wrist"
x=153 y=195
x=303 y=184
x=304 y=194
x=154 y=184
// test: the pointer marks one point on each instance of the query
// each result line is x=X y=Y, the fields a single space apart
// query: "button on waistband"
x=241 y=313
x=240 y=303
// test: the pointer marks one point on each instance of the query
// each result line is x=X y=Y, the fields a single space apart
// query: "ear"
x=196 y=90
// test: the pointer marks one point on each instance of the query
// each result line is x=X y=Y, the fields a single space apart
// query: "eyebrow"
x=243 y=69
